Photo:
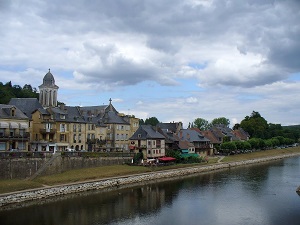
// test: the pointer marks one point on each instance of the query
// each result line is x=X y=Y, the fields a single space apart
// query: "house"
x=241 y=134
x=148 y=141
x=13 y=128
x=201 y=143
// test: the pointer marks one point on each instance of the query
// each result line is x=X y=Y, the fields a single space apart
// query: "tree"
x=201 y=123
x=255 y=125
x=220 y=120
x=236 y=126
x=151 y=121
x=227 y=147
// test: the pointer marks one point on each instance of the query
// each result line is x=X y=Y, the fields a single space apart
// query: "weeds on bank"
x=17 y=185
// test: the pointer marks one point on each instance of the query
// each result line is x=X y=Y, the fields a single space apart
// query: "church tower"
x=48 y=91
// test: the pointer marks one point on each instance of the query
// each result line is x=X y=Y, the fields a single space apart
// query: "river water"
x=257 y=194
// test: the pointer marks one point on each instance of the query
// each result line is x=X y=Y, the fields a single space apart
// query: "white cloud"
x=241 y=54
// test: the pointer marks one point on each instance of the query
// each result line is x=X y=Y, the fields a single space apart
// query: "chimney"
x=62 y=106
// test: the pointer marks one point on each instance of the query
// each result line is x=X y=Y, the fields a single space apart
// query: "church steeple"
x=48 y=91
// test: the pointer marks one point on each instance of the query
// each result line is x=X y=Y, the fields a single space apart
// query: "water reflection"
x=261 y=194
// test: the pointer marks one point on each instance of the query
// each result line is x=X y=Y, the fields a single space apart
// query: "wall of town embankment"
x=21 y=168
x=18 y=197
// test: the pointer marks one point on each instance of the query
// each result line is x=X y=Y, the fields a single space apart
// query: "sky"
x=176 y=60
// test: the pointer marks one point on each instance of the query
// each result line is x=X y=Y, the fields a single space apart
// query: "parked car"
x=70 y=150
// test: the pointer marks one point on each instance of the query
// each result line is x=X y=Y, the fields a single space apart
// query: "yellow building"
x=14 y=133
x=60 y=128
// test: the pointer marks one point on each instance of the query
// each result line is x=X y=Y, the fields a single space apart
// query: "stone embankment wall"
x=42 y=193
x=21 y=168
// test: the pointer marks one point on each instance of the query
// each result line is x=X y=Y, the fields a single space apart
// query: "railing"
x=48 y=154
x=25 y=154
x=47 y=130
x=97 y=154
x=15 y=136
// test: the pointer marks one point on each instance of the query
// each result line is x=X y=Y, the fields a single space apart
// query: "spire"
x=110 y=105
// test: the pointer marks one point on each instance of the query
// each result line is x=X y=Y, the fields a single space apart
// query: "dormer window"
x=62 y=116
x=13 y=112
x=139 y=135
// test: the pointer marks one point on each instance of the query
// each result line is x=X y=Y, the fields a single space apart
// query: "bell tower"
x=48 y=91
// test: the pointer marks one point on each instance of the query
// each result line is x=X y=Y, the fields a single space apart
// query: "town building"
x=148 y=141
x=56 y=127
x=14 y=125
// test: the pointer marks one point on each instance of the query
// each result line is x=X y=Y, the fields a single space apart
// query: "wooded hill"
x=8 y=91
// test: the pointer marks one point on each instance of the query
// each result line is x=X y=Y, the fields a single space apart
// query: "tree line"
x=257 y=127
x=8 y=91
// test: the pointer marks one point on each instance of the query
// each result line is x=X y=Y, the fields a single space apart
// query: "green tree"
x=201 y=123
x=220 y=120
x=151 y=121
x=227 y=147
x=255 y=125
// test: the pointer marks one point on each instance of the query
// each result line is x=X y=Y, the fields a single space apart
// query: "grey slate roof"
x=26 y=105
x=5 y=112
x=113 y=118
x=192 y=136
x=146 y=132
x=173 y=127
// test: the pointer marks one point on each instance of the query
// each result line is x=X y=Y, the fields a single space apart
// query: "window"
x=13 y=112
x=79 y=138
x=62 y=137
x=139 y=135
x=62 y=116
x=21 y=145
x=2 y=146
x=22 y=132
x=149 y=143
x=74 y=127
x=11 y=132
x=79 y=127
x=63 y=127
x=74 y=138
x=2 y=132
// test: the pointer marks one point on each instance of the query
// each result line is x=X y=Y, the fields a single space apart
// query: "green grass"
x=121 y=170
x=17 y=185
x=260 y=154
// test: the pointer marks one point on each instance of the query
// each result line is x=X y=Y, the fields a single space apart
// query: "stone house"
x=148 y=141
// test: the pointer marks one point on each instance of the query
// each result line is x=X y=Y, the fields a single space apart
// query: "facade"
x=60 y=128
x=148 y=141
x=14 y=126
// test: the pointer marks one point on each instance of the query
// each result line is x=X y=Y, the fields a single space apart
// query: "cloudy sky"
x=176 y=60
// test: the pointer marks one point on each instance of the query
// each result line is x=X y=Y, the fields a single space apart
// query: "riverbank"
x=121 y=181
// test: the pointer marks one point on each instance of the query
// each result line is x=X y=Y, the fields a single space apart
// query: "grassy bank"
x=121 y=170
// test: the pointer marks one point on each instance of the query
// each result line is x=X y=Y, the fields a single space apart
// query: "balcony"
x=15 y=137
x=47 y=131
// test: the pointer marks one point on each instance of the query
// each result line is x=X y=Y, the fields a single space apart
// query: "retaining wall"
x=36 y=194
x=21 y=168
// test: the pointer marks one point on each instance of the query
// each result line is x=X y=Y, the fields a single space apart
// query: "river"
x=256 y=194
